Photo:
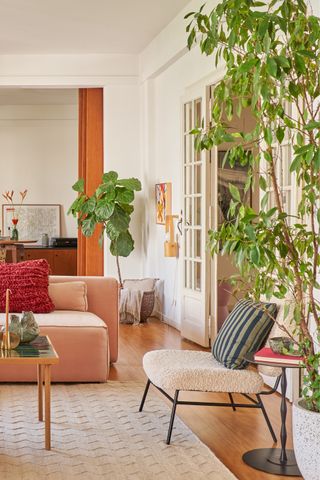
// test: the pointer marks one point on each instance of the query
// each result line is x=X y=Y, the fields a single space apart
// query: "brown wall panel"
x=90 y=254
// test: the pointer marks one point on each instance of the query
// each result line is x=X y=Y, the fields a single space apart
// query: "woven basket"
x=147 y=305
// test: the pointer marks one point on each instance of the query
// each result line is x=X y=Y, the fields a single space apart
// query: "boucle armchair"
x=194 y=371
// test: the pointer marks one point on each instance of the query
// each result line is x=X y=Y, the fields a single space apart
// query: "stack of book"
x=268 y=356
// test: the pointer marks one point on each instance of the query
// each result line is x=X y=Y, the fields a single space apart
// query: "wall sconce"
x=171 y=248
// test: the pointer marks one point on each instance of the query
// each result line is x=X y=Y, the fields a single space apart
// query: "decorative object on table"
x=171 y=247
x=163 y=192
x=28 y=282
x=109 y=206
x=29 y=327
x=266 y=354
x=8 y=340
x=281 y=345
x=45 y=240
x=34 y=219
x=14 y=211
x=275 y=254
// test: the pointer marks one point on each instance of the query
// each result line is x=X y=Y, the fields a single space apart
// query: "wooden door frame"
x=90 y=166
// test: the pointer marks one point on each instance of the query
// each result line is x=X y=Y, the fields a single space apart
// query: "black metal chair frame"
x=255 y=403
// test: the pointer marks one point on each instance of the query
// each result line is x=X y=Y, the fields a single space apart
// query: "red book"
x=267 y=355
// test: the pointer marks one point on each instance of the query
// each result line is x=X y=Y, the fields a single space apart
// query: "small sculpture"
x=29 y=327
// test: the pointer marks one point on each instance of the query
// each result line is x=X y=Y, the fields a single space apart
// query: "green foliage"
x=110 y=206
x=271 y=52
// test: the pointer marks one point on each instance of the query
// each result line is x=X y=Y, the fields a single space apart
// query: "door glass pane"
x=197 y=243
x=188 y=117
x=197 y=211
x=188 y=210
x=187 y=149
x=187 y=239
x=197 y=178
x=285 y=165
x=188 y=180
x=197 y=113
x=197 y=276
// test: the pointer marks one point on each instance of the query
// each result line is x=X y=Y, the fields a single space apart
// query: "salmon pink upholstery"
x=86 y=342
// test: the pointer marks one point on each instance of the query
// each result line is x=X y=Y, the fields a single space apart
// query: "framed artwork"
x=163 y=202
x=237 y=176
x=34 y=220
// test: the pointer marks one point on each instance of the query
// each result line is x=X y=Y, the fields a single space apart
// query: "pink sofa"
x=86 y=342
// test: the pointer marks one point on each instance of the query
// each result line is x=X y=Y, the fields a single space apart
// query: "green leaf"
x=79 y=186
x=106 y=190
x=255 y=255
x=104 y=211
x=295 y=164
x=312 y=125
x=88 y=226
x=272 y=67
x=130 y=184
x=280 y=134
x=267 y=133
x=264 y=200
x=110 y=177
x=234 y=192
x=119 y=219
x=89 y=205
x=123 y=195
x=123 y=245
x=263 y=183
x=300 y=64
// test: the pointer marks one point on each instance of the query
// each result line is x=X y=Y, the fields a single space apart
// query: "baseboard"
x=171 y=322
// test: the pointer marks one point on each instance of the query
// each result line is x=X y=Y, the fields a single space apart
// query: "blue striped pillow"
x=245 y=330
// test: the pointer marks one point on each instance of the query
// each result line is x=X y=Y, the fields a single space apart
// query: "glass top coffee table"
x=40 y=352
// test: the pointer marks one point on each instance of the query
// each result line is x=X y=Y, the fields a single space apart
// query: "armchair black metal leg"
x=173 y=413
x=232 y=402
x=144 y=395
x=273 y=435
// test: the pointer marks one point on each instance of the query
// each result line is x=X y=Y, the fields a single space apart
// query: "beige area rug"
x=97 y=433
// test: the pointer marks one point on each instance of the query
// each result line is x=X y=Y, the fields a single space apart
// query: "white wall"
x=39 y=152
x=163 y=97
x=122 y=154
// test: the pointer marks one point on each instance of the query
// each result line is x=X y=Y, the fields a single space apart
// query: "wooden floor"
x=228 y=434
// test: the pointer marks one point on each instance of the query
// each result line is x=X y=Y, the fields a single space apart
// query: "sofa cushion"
x=28 y=282
x=66 y=318
x=69 y=296
x=245 y=330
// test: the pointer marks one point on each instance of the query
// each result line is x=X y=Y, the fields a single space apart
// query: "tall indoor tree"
x=111 y=206
x=271 y=54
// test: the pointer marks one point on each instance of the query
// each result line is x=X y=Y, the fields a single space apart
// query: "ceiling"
x=83 y=26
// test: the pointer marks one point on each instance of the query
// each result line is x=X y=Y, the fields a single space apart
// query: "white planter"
x=306 y=441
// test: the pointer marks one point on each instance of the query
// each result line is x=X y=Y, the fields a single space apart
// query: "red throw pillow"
x=28 y=282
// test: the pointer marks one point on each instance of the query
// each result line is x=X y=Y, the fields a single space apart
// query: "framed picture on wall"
x=236 y=175
x=33 y=220
x=163 y=202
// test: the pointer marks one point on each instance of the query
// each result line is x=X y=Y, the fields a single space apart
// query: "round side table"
x=278 y=461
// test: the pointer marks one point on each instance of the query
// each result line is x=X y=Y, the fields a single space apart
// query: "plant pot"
x=306 y=428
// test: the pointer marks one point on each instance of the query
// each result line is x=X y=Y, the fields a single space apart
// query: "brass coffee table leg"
x=47 y=388
x=40 y=393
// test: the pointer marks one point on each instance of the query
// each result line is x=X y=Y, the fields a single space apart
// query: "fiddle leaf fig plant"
x=271 y=56
x=111 y=206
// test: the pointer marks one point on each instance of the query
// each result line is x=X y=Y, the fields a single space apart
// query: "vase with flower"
x=15 y=211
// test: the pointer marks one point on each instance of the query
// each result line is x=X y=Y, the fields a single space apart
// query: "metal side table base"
x=268 y=460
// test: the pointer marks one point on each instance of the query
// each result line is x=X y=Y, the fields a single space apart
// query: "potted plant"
x=111 y=206
x=271 y=53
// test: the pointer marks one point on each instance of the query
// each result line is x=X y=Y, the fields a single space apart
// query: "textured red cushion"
x=28 y=282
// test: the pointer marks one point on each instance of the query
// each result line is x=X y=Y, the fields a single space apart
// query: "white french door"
x=196 y=283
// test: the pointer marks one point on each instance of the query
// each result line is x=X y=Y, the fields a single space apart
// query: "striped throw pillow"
x=245 y=330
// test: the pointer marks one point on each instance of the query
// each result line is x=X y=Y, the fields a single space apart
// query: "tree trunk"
x=119 y=272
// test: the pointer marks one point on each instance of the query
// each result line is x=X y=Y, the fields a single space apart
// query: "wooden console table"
x=42 y=354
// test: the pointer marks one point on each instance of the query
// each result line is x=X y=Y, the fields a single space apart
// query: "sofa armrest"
x=103 y=301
